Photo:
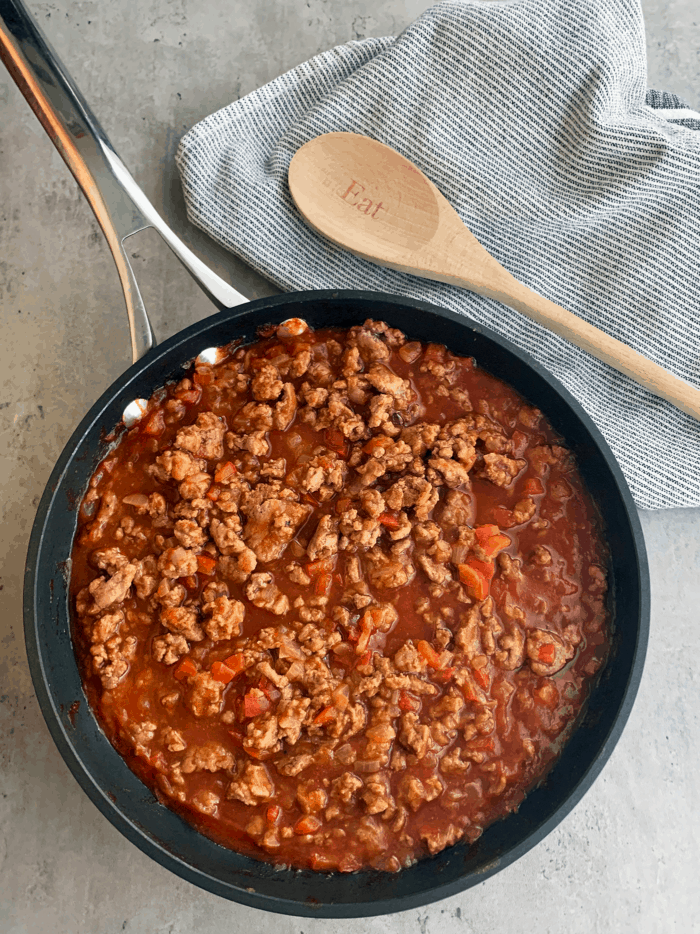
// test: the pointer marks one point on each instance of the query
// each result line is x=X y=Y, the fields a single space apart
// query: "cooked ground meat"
x=338 y=597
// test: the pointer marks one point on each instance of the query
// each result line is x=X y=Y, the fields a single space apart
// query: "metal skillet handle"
x=120 y=206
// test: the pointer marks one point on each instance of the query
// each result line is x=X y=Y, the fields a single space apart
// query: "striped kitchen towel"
x=533 y=118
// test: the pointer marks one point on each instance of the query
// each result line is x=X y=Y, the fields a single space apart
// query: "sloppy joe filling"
x=339 y=598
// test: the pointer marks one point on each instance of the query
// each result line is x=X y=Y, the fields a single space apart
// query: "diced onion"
x=459 y=553
x=291 y=650
x=136 y=499
x=367 y=765
x=341 y=696
x=345 y=754
x=295 y=671
x=294 y=441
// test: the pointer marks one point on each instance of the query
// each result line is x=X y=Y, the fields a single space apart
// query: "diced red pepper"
x=255 y=704
x=325 y=566
x=225 y=472
x=487 y=568
x=185 y=669
x=323 y=585
x=495 y=544
x=307 y=824
x=483 y=744
x=533 y=486
x=273 y=813
x=325 y=716
x=379 y=441
x=429 y=654
x=236 y=663
x=373 y=615
x=491 y=539
x=155 y=425
x=268 y=689
x=364 y=659
x=352 y=631
x=546 y=653
x=206 y=564
x=367 y=630
x=484 y=532
x=213 y=493
x=389 y=520
x=408 y=701
x=445 y=674
x=477 y=585
x=221 y=672
x=481 y=676
x=190 y=582
x=258 y=754
x=469 y=689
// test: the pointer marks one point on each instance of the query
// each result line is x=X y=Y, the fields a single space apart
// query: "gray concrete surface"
x=627 y=859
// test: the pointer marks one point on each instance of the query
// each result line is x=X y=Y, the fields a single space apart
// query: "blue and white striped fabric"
x=534 y=120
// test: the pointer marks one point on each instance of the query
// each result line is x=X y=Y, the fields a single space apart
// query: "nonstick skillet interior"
x=163 y=835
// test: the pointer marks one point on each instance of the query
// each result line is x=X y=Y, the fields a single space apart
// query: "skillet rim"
x=61 y=723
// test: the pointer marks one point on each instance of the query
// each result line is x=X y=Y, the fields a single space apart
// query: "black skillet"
x=121 y=209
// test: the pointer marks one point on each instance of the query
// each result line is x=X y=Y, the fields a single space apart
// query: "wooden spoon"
x=369 y=199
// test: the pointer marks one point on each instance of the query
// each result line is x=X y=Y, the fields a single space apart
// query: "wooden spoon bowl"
x=373 y=202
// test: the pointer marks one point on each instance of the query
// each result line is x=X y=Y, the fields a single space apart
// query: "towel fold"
x=533 y=119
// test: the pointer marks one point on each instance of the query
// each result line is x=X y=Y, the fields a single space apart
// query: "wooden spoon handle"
x=506 y=289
